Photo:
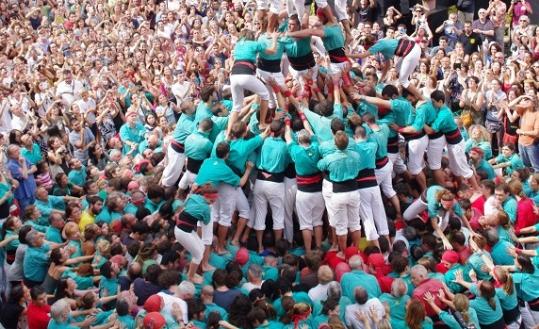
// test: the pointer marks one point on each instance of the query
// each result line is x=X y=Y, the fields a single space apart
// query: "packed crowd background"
x=268 y=164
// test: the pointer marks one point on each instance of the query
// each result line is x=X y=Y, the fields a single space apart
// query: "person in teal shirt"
x=486 y=303
x=36 y=259
x=482 y=167
x=499 y=249
x=54 y=231
x=198 y=147
x=508 y=161
x=407 y=52
x=216 y=172
x=508 y=202
x=77 y=174
x=269 y=185
x=131 y=134
x=397 y=301
x=462 y=305
x=30 y=150
x=122 y=310
x=357 y=277
x=109 y=284
x=196 y=209
x=175 y=151
x=61 y=317
x=243 y=76
x=48 y=204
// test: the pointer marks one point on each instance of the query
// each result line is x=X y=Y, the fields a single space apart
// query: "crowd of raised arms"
x=269 y=164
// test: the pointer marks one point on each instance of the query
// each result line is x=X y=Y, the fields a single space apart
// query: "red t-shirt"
x=38 y=316
x=525 y=214
x=433 y=286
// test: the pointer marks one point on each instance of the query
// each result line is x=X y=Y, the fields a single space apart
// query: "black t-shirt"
x=471 y=43
x=367 y=14
x=9 y=315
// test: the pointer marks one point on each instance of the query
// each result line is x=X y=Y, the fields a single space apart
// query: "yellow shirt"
x=85 y=219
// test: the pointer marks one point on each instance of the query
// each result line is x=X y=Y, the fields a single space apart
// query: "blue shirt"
x=27 y=186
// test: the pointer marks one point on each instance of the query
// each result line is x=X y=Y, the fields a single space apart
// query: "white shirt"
x=319 y=293
x=69 y=92
x=169 y=300
x=351 y=310
x=86 y=106
x=491 y=206
x=248 y=286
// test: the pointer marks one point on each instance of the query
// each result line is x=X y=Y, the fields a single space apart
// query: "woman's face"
x=472 y=84
x=476 y=133
x=495 y=85
x=534 y=184
x=150 y=119
x=423 y=67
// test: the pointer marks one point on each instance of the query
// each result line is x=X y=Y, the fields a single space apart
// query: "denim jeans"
x=530 y=156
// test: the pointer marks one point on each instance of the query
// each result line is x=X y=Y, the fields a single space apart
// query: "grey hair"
x=186 y=288
x=207 y=290
x=334 y=290
x=355 y=262
x=419 y=270
x=58 y=310
x=255 y=270
x=32 y=237
x=398 y=288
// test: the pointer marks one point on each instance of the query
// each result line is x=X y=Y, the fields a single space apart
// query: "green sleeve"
x=419 y=120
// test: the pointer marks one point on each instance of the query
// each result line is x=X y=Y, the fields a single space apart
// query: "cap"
x=450 y=256
x=153 y=303
x=242 y=256
x=154 y=320
x=477 y=150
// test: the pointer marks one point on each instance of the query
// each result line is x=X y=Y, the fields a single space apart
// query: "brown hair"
x=415 y=314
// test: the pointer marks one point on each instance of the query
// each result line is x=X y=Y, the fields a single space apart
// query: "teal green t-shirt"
x=247 y=50
x=386 y=47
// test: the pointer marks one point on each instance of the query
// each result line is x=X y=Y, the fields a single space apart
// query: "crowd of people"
x=268 y=164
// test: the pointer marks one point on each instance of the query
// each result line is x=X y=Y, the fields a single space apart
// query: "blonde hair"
x=461 y=304
x=70 y=229
x=484 y=134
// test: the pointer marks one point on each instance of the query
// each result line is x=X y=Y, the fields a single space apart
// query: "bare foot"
x=340 y=255
x=235 y=243
x=333 y=248
x=207 y=268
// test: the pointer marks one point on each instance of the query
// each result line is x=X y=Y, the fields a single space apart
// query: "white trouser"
x=339 y=9
x=529 y=317
x=274 y=6
x=301 y=76
x=385 y=179
x=416 y=208
x=434 y=152
x=266 y=76
x=327 y=192
x=206 y=231
x=230 y=199
x=272 y=192
x=399 y=166
x=372 y=213
x=310 y=208
x=408 y=64
x=346 y=211
x=192 y=243
x=336 y=68
x=296 y=7
x=241 y=82
x=416 y=154
x=290 y=189
x=457 y=160
x=515 y=324
x=187 y=180
x=175 y=162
